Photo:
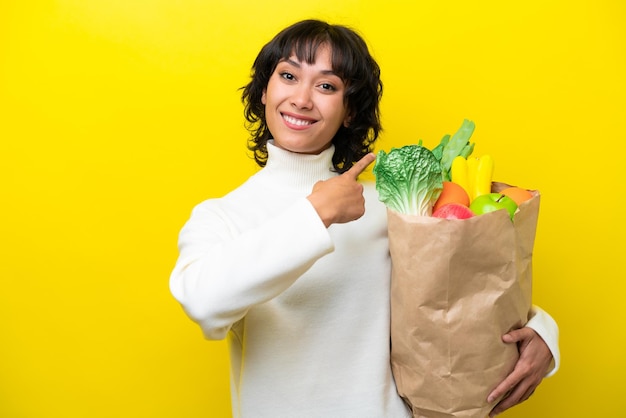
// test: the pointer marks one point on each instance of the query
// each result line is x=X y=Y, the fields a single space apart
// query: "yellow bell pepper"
x=473 y=174
x=458 y=173
x=484 y=176
x=472 y=171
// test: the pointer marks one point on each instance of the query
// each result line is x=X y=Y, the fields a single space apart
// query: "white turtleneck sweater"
x=305 y=308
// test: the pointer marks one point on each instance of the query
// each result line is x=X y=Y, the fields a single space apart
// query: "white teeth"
x=295 y=121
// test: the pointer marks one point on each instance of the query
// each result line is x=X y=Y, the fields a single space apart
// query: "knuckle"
x=525 y=369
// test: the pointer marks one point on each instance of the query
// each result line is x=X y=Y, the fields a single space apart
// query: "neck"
x=300 y=171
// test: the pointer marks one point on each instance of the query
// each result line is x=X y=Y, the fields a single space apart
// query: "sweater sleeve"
x=548 y=330
x=222 y=272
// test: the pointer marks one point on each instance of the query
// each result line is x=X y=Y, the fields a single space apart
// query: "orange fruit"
x=452 y=193
x=517 y=193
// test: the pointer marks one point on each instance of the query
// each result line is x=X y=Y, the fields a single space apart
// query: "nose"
x=301 y=97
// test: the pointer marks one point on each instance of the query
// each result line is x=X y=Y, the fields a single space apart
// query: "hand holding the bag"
x=531 y=367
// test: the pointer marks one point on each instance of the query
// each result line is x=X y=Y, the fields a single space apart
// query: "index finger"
x=507 y=385
x=360 y=165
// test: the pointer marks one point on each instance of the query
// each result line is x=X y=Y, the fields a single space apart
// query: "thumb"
x=515 y=336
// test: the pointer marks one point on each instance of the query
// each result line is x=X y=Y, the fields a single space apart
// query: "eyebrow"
x=298 y=65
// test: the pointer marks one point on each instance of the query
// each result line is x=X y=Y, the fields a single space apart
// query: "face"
x=304 y=105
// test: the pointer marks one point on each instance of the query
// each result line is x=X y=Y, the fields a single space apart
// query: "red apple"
x=493 y=201
x=453 y=211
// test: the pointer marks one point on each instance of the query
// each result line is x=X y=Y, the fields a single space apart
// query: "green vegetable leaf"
x=438 y=150
x=467 y=150
x=408 y=179
x=457 y=145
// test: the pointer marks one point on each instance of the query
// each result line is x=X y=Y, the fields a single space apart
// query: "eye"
x=287 y=75
x=328 y=87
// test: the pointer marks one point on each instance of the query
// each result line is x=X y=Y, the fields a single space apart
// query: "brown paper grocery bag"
x=457 y=286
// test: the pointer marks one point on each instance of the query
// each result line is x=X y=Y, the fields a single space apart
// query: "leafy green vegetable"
x=408 y=179
x=438 y=150
x=458 y=144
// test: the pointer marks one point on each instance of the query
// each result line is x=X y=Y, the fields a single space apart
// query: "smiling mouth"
x=298 y=122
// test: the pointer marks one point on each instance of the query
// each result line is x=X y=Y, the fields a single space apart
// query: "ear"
x=347 y=120
x=263 y=98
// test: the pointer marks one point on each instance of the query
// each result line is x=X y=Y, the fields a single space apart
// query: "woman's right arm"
x=222 y=272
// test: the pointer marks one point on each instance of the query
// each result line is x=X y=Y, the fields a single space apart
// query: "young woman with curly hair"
x=293 y=266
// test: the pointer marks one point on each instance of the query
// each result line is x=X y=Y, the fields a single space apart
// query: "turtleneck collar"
x=298 y=171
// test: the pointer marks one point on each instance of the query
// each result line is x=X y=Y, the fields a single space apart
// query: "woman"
x=293 y=266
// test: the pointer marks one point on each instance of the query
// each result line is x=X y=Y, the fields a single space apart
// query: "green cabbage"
x=409 y=179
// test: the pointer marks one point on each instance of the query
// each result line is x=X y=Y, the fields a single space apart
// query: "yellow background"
x=117 y=116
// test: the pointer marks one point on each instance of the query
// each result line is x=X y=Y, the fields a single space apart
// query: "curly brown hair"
x=351 y=61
